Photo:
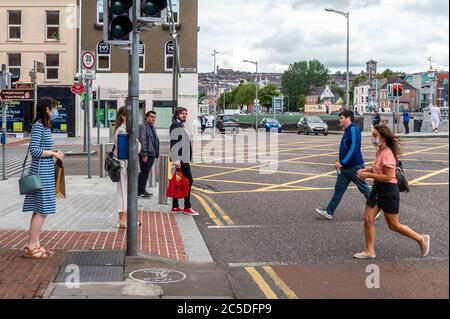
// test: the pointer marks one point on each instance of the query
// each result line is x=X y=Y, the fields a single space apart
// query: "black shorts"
x=386 y=196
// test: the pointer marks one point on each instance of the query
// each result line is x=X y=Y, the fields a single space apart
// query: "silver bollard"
x=152 y=177
x=102 y=160
x=163 y=179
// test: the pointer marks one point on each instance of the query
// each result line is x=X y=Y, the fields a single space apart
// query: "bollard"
x=163 y=179
x=152 y=176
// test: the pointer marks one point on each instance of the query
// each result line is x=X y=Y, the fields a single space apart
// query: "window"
x=100 y=11
x=52 y=28
x=105 y=115
x=169 y=49
x=14 y=25
x=52 y=66
x=141 y=56
x=14 y=64
x=103 y=56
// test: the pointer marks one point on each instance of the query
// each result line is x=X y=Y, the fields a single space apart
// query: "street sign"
x=24 y=86
x=40 y=67
x=11 y=95
x=78 y=89
x=89 y=75
x=88 y=60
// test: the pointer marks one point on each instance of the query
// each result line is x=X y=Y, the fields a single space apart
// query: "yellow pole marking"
x=262 y=284
x=425 y=177
x=225 y=217
x=208 y=209
x=280 y=283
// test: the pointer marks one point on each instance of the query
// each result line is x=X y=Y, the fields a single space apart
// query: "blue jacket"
x=406 y=116
x=350 y=151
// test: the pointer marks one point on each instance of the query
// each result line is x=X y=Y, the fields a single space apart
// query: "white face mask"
x=376 y=142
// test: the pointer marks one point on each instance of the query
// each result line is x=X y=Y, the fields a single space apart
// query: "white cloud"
x=398 y=34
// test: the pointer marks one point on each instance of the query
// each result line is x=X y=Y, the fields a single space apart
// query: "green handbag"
x=32 y=182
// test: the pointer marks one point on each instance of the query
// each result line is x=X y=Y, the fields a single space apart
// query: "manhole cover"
x=158 y=276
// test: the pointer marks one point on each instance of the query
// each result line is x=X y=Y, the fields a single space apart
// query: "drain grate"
x=92 y=266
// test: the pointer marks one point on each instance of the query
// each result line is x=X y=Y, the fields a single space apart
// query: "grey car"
x=312 y=125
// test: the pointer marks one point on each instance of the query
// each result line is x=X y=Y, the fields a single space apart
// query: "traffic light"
x=117 y=21
x=400 y=90
x=395 y=90
x=150 y=10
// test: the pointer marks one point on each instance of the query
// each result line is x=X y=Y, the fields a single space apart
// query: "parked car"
x=227 y=123
x=312 y=125
x=271 y=124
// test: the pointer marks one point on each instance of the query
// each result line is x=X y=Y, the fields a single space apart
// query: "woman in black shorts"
x=385 y=195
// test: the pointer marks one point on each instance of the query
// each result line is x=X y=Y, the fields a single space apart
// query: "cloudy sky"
x=399 y=34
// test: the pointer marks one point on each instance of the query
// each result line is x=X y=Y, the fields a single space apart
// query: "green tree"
x=300 y=76
x=229 y=100
x=386 y=74
x=339 y=91
x=245 y=94
x=266 y=94
x=301 y=103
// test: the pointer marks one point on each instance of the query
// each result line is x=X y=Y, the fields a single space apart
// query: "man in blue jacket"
x=349 y=163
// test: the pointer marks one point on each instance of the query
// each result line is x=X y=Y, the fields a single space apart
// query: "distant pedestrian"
x=122 y=186
x=349 y=163
x=376 y=121
x=406 y=119
x=436 y=118
x=150 y=143
x=181 y=155
x=385 y=195
x=43 y=202
x=203 y=122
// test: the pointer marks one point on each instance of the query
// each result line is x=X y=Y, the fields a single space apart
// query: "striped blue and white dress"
x=43 y=201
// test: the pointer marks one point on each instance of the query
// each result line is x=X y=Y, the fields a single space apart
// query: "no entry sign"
x=78 y=88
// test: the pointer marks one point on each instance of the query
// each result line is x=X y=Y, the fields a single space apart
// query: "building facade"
x=156 y=68
x=442 y=89
x=40 y=31
x=361 y=97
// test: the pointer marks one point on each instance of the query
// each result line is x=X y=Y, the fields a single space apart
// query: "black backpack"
x=112 y=166
x=403 y=184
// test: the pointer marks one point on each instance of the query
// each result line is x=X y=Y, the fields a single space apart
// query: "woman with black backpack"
x=385 y=195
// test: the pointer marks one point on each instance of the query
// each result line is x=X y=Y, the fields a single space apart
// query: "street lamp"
x=347 y=16
x=215 y=92
x=431 y=76
x=257 y=91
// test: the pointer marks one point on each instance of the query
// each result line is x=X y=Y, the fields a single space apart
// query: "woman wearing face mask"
x=385 y=195
x=43 y=202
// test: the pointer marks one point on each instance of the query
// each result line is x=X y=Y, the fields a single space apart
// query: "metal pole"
x=4 y=151
x=35 y=89
x=132 y=130
x=215 y=95
x=257 y=93
x=84 y=122
x=88 y=127
x=102 y=160
x=348 y=60
x=163 y=179
x=98 y=119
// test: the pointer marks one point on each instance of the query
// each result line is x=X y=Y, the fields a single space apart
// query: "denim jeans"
x=346 y=176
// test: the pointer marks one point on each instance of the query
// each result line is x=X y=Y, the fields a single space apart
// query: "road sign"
x=24 y=86
x=78 y=89
x=11 y=95
x=89 y=75
x=88 y=60
x=40 y=67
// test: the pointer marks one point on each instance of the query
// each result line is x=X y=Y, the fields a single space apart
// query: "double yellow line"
x=264 y=285
x=207 y=203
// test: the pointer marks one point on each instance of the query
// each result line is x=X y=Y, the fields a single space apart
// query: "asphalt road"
x=264 y=230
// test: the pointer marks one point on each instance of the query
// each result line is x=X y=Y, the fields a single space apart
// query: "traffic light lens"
x=121 y=7
x=121 y=27
x=153 y=7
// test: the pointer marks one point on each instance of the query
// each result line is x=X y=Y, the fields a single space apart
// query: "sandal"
x=121 y=225
x=45 y=251
x=36 y=253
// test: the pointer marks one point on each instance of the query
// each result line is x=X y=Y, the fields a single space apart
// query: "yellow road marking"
x=431 y=184
x=262 y=284
x=425 y=177
x=424 y=160
x=280 y=283
x=208 y=209
x=225 y=217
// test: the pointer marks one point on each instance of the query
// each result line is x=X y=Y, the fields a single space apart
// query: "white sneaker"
x=363 y=255
x=378 y=216
x=425 y=248
x=324 y=214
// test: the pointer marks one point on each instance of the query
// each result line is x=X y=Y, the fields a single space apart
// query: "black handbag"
x=112 y=166
x=403 y=184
